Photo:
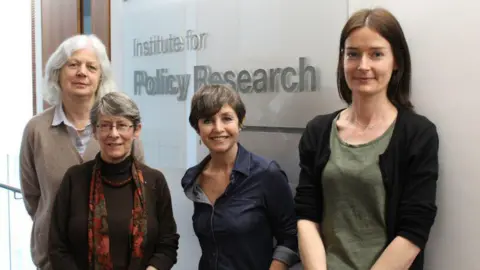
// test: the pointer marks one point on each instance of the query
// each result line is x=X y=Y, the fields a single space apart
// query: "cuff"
x=161 y=262
x=285 y=255
x=416 y=239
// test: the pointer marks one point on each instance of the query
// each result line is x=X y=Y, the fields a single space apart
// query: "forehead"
x=112 y=119
x=86 y=55
x=224 y=110
x=366 y=38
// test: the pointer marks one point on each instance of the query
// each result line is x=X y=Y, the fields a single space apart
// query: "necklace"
x=116 y=183
x=362 y=126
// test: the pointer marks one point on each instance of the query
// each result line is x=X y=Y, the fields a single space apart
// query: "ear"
x=240 y=123
x=137 y=131
x=395 y=66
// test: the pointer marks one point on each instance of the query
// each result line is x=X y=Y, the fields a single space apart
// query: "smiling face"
x=115 y=135
x=220 y=132
x=80 y=76
x=368 y=62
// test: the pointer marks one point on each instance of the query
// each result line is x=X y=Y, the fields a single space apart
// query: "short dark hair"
x=210 y=98
x=383 y=22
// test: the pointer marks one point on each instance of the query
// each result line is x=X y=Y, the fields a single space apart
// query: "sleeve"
x=28 y=175
x=417 y=209
x=308 y=197
x=58 y=247
x=281 y=213
x=138 y=151
x=165 y=253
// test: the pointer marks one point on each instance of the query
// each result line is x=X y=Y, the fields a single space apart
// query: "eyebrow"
x=227 y=113
x=94 y=62
x=370 y=48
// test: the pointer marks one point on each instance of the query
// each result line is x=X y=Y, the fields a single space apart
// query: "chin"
x=221 y=149
x=366 y=91
x=83 y=92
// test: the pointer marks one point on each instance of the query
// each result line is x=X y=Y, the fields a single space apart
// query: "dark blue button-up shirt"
x=238 y=230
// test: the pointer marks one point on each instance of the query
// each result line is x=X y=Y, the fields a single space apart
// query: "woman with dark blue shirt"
x=242 y=202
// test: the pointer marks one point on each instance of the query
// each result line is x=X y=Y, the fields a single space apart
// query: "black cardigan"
x=409 y=169
x=68 y=240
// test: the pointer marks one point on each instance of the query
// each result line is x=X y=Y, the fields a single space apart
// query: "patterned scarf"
x=98 y=238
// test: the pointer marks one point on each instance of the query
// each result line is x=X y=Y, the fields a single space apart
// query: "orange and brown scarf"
x=98 y=238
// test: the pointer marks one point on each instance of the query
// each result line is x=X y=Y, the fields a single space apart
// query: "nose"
x=218 y=126
x=113 y=132
x=82 y=70
x=364 y=63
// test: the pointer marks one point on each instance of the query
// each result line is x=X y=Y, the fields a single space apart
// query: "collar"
x=242 y=165
x=59 y=117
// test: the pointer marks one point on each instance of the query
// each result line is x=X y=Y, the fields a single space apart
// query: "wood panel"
x=61 y=19
x=100 y=18
x=34 y=62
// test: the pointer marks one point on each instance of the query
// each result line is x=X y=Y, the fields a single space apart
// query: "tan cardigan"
x=45 y=155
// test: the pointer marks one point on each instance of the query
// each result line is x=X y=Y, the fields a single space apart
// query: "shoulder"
x=317 y=129
x=153 y=178
x=323 y=121
x=80 y=170
x=415 y=126
x=259 y=163
x=77 y=177
x=266 y=169
x=40 y=122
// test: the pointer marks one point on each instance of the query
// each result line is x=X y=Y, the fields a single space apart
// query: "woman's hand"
x=151 y=268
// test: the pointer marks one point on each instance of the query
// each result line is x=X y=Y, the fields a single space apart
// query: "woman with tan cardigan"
x=76 y=74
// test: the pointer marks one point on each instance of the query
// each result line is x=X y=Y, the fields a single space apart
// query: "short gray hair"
x=115 y=104
x=51 y=88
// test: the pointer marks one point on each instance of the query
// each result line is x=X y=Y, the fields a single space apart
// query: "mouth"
x=114 y=144
x=363 y=78
x=80 y=84
x=218 y=138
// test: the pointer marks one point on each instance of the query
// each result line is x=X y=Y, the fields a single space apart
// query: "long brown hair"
x=384 y=23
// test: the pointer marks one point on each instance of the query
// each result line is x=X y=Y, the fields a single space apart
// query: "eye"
x=377 y=54
x=351 y=54
x=207 y=121
x=227 y=118
x=94 y=68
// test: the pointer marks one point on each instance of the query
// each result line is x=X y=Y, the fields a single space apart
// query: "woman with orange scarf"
x=114 y=212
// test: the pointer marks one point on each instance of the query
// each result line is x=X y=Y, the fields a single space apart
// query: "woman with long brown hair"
x=366 y=196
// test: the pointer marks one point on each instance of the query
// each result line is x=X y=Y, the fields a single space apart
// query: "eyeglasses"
x=107 y=127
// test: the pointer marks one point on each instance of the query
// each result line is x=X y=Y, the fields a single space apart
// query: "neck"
x=77 y=111
x=223 y=161
x=368 y=110
x=109 y=160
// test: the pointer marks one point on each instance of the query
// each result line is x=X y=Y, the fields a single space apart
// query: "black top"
x=119 y=201
x=68 y=237
x=409 y=169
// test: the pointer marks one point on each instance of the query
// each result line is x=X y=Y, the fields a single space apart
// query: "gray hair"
x=115 y=104
x=51 y=89
x=210 y=98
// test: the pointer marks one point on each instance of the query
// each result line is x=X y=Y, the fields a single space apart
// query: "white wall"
x=443 y=38
x=16 y=110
